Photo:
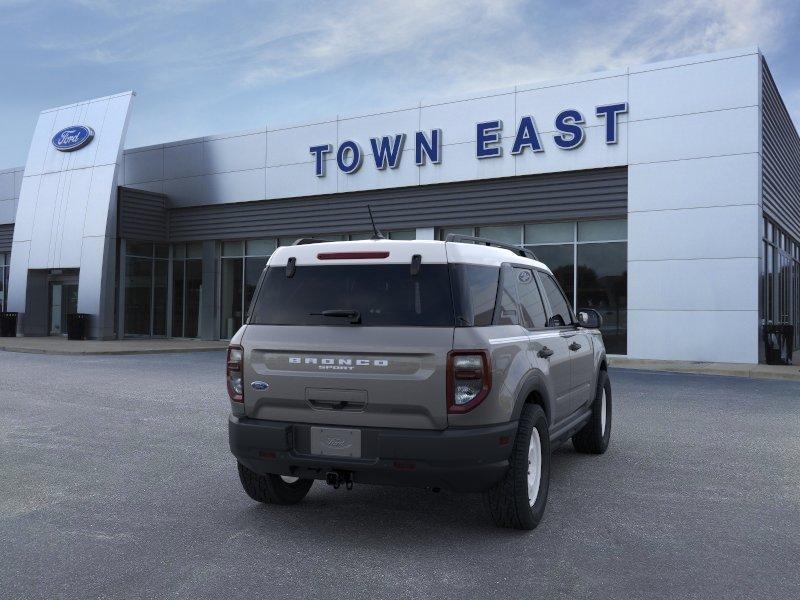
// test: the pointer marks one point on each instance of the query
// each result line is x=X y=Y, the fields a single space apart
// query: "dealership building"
x=666 y=196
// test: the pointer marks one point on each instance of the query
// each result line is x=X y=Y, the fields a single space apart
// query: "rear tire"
x=518 y=500
x=595 y=435
x=273 y=489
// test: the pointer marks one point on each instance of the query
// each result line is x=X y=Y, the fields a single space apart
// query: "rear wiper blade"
x=346 y=313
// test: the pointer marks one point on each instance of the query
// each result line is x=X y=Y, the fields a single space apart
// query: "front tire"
x=593 y=438
x=273 y=489
x=518 y=500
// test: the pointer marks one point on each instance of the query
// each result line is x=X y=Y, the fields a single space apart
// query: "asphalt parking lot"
x=117 y=483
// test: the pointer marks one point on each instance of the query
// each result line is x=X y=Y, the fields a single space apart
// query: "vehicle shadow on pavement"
x=400 y=513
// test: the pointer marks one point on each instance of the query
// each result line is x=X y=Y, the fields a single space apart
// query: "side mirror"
x=590 y=318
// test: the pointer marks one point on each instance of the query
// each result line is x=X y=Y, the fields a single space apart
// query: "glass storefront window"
x=507 y=234
x=403 y=234
x=146 y=288
x=550 y=233
x=144 y=249
x=231 y=296
x=780 y=282
x=232 y=248
x=187 y=283
x=253 y=266
x=194 y=250
x=603 y=285
x=4 y=266
x=443 y=233
x=138 y=295
x=260 y=247
x=178 y=290
x=240 y=269
x=602 y=231
x=561 y=260
x=160 y=286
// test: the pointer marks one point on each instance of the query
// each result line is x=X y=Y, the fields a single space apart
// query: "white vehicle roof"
x=398 y=252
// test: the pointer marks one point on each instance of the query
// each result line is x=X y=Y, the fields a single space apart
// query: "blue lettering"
x=349 y=157
x=431 y=149
x=488 y=133
x=610 y=112
x=569 y=122
x=527 y=137
x=319 y=158
x=388 y=152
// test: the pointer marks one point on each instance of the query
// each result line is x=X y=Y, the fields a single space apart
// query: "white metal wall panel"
x=53 y=196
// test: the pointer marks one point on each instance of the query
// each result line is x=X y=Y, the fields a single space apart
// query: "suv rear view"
x=414 y=363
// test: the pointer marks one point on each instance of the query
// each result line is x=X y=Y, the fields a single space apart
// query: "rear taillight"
x=469 y=379
x=234 y=373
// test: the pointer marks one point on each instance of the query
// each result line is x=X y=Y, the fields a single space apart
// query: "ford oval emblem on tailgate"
x=259 y=385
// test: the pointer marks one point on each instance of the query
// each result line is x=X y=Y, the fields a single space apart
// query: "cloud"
x=313 y=59
x=459 y=44
x=334 y=39
x=462 y=46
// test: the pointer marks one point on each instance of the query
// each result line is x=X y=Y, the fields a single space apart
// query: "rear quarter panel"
x=507 y=346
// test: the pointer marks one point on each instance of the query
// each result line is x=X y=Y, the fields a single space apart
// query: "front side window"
x=561 y=313
x=530 y=300
x=372 y=295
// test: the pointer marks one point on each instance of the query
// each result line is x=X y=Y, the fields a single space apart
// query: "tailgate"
x=356 y=376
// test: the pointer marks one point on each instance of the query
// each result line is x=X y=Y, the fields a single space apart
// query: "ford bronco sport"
x=451 y=364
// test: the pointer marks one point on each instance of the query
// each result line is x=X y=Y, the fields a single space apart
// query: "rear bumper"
x=461 y=459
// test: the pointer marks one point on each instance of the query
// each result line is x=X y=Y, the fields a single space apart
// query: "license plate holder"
x=334 y=441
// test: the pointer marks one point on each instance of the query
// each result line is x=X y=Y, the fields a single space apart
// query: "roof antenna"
x=376 y=233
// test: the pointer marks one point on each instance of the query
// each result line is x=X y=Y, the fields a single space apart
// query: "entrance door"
x=63 y=296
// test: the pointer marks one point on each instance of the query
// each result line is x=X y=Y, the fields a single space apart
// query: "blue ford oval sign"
x=72 y=138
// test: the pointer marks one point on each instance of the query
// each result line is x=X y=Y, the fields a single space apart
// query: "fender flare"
x=534 y=382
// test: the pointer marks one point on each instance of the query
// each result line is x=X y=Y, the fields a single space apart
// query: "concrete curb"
x=749 y=371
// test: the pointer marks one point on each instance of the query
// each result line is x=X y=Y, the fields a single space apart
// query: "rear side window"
x=474 y=293
x=530 y=300
x=383 y=295
x=562 y=315
x=507 y=311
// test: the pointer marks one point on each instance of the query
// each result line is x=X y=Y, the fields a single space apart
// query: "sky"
x=203 y=67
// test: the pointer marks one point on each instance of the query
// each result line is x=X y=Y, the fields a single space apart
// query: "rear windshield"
x=463 y=295
x=382 y=295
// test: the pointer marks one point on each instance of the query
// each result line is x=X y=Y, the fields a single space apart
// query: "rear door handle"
x=545 y=352
x=574 y=346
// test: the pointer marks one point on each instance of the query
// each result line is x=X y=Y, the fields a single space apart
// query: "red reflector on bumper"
x=404 y=466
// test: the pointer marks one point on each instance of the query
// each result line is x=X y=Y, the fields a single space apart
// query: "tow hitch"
x=337 y=478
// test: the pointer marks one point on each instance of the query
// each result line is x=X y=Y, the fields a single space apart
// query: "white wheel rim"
x=534 y=466
x=603 y=413
x=289 y=479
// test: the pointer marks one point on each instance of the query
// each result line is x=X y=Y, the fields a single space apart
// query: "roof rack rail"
x=304 y=241
x=519 y=250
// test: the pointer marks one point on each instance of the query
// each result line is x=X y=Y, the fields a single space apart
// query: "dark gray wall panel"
x=780 y=159
x=553 y=196
x=142 y=215
x=6 y=237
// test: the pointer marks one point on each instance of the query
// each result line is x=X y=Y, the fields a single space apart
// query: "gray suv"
x=454 y=364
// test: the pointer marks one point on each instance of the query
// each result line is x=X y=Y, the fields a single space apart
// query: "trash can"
x=77 y=323
x=778 y=344
x=8 y=324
